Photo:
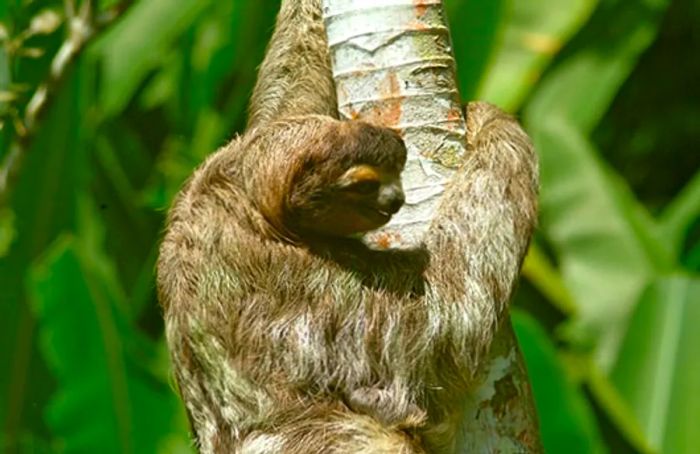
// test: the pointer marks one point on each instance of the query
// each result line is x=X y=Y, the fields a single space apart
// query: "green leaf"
x=474 y=26
x=542 y=274
x=5 y=75
x=6 y=94
x=109 y=400
x=43 y=204
x=658 y=371
x=533 y=33
x=566 y=420
x=582 y=86
x=7 y=230
x=679 y=216
x=604 y=240
x=692 y=259
x=123 y=164
x=604 y=263
x=6 y=8
x=136 y=45
x=616 y=410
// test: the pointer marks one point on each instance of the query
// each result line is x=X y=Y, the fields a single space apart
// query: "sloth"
x=287 y=333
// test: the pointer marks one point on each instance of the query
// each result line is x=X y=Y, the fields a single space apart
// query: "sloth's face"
x=363 y=198
x=348 y=183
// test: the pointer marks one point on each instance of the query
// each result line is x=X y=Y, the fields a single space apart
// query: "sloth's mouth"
x=381 y=215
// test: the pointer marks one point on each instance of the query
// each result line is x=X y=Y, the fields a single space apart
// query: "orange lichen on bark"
x=389 y=113
x=454 y=115
x=421 y=7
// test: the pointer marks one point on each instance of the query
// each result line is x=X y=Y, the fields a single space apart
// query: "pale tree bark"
x=393 y=64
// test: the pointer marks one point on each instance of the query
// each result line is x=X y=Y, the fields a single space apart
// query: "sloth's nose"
x=391 y=198
x=397 y=202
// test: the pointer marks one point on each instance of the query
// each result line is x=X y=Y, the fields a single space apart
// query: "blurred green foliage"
x=605 y=315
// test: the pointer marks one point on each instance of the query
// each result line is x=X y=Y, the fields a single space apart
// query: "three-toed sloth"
x=287 y=333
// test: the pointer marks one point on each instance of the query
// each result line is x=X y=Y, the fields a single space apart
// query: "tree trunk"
x=393 y=64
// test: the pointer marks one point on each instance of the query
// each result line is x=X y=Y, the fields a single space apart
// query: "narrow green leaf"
x=5 y=80
x=658 y=371
x=5 y=75
x=542 y=274
x=7 y=230
x=108 y=399
x=474 y=26
x=42 y=201
x=136 y=44
x=566 y=420
x=680 y=215
x=121 y=168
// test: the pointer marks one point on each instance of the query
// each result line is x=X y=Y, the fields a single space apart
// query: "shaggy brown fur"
x=287 y=338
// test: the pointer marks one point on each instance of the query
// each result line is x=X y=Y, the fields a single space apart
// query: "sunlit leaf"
x=603 y=239
x=604 y=264
x=658 y=370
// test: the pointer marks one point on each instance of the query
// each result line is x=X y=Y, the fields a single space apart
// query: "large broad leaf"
x=602 y=237
x=604 y=263
x=109 y=400
x=566 y=420
x=658 y=371
x=532 y=34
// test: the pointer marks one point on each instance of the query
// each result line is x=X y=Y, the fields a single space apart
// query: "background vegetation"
x=608 y=311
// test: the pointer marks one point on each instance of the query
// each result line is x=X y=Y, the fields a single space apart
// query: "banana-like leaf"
x=601 y=235
x=658 y=372
x=604 y=263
